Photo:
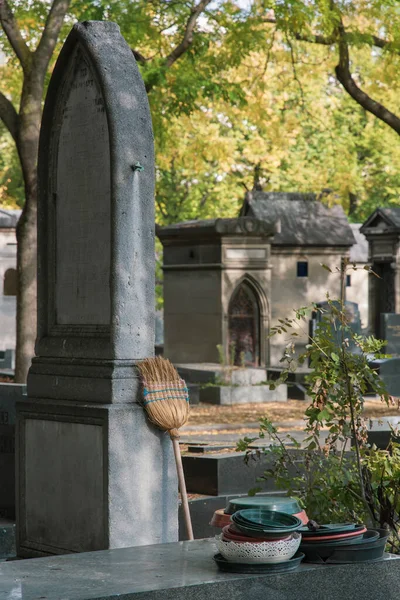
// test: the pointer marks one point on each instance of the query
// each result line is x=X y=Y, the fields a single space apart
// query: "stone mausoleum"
x=8 y=277
x=227 y=281
x=382 y=230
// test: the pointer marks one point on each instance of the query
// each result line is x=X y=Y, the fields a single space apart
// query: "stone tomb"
x=92 y=472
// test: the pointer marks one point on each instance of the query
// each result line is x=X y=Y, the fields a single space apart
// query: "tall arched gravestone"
x=92 y=472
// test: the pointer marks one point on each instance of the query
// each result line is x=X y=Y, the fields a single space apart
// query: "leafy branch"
x=364 y=484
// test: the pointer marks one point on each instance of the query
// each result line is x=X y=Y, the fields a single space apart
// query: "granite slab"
x=183 y=570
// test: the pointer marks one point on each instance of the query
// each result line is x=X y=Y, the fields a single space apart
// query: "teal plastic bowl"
x=282 y=504
x=261 y=522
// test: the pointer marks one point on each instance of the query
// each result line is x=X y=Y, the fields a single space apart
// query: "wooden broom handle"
x=182 y=488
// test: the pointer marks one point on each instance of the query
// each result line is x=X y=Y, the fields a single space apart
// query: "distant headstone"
x=93 y=472
x=390 y=330
x=382 y=431
x=389 y=371
x=353 y=318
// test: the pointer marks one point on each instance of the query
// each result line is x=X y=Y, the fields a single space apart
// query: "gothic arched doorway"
x=244 y=326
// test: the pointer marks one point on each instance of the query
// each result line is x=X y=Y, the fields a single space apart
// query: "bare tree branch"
x=139 y=57
x=9 y=116
x=17 y=42
x=50 y=34
x=188 y=35
x=316 y=39
x=344 y=76
x=351 y=37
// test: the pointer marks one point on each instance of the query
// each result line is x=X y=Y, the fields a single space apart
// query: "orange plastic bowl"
x=220 y=519
x=302 y=516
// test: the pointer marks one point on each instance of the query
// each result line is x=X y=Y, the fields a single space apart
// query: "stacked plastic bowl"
x=259 y=536
x=283 y=504
x=338 y=543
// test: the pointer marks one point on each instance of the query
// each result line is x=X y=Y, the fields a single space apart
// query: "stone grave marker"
x=390 y=328
x=93 y=473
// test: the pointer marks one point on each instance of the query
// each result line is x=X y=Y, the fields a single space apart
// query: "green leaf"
x=324 y=415
x=326 y=267
x=254 y=491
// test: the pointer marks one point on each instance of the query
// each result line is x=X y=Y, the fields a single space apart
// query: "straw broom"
x=166 y=401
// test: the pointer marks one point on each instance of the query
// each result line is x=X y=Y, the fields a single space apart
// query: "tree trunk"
x=28 y=143
x=353 y=203
x=26 y=297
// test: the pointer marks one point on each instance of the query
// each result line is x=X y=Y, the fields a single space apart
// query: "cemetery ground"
x=215 y=424
x=290 y=412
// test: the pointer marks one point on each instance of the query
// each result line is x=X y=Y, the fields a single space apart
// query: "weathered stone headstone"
x=390 y=329
x=92 y=472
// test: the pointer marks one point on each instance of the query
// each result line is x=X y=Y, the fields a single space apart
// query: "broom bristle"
x=165 y=394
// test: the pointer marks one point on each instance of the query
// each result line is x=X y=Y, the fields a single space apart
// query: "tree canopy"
x=244 y=90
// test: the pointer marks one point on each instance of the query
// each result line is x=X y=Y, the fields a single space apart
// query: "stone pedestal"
x=92 y=472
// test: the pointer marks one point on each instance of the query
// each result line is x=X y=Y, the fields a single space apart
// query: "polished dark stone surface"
x=185 y=570
x=7 y=539
x=225 y=474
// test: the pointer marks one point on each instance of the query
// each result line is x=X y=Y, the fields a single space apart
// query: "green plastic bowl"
x=282 y=504
x=257 y=522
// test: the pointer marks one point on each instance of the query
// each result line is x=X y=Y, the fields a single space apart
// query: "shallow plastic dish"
x=266 y=519
x=337 y=536
x=266 y=534
x=264 y=552
x=230 y=534
x=371 y=549
x=329 y=529
x=282 y=504
x=370 y=535
x=259 y=569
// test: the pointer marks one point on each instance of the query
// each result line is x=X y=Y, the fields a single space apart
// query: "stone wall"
x=291 y=292
x=192 y=315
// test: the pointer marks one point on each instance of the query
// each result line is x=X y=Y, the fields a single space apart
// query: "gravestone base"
x=7 y=539
x=92 y=477
x=10 y=393
x=99 y=380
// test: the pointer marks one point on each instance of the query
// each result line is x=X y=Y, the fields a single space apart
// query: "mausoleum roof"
x=359 y=252
x=304 y=221
x=9 y=218
x=383 y=220
x=217 y=227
